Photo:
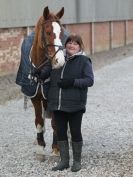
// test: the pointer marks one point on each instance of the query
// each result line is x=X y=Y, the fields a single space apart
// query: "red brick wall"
x=129 y=32
x=10 y=42
x=85 y=31
x=118 y=34
x=10 y=48
x=97 y=37
x=101 y=36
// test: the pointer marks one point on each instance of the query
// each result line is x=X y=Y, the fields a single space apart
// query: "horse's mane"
x=37 y=31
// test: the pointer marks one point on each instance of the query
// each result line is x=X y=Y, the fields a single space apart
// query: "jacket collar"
x=70 y=57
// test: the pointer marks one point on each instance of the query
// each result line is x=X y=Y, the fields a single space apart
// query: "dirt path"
x=9 y=90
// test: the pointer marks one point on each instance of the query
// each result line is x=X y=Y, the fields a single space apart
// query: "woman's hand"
x=66 y=83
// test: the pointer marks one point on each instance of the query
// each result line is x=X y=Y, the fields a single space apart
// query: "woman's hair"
x=75 y=38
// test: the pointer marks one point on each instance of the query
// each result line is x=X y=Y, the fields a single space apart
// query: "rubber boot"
x=64 y=155
x=77 y=149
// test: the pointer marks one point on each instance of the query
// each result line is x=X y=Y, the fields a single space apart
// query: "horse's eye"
x=48 y=33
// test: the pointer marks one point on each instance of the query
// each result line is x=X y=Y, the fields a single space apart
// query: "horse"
x=47 y=46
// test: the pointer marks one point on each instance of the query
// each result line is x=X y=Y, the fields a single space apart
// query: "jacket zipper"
x=60 y=90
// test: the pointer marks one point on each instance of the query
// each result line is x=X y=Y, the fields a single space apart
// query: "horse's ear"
x=60 y=13
x=46 y=12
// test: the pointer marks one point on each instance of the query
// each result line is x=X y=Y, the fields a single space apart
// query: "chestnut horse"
x=40 y=48
x=47 y=45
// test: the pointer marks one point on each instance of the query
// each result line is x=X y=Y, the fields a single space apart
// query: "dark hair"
x=75 y=38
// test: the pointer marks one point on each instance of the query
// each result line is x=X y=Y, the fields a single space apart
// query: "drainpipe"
x=77 y=11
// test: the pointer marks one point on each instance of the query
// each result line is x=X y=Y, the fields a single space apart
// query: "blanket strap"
x=25 y=102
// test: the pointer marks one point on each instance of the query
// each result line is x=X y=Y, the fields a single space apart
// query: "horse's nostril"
x=56 y=60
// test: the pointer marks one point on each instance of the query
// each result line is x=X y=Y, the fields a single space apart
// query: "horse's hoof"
x=55 y=152
x=40 y=157
x=40 y=153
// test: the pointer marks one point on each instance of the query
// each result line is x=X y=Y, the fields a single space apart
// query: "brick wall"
x=118 y=34
x=97 y=37
x=101 y=36
x=129 y=33
x=85 y=31
x=10 y=43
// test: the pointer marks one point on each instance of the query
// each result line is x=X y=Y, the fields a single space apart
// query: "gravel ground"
x=107 y=130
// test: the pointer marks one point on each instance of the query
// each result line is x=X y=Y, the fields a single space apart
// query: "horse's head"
x=48 y=37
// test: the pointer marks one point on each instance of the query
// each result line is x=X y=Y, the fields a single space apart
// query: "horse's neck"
x=37 y=55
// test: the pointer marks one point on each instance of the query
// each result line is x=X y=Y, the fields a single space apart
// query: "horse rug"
x=29 y=86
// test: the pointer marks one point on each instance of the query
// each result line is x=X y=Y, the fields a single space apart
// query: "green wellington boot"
x=64 y=155
x=77 y=149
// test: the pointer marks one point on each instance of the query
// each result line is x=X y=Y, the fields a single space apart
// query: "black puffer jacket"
x=73 y=99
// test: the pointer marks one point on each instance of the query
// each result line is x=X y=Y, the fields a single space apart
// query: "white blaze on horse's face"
x=59 y=58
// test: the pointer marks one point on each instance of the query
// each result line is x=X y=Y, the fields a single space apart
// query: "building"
x=103 y=24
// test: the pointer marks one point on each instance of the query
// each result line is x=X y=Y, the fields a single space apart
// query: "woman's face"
x=72 y=48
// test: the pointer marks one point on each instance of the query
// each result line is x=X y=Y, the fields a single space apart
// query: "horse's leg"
x=55 y=147
x=39 y=122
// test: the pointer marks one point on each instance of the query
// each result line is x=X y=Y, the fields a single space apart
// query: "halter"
x=45 y=45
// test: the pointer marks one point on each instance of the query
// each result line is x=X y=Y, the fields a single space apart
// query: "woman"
x=67 y=99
